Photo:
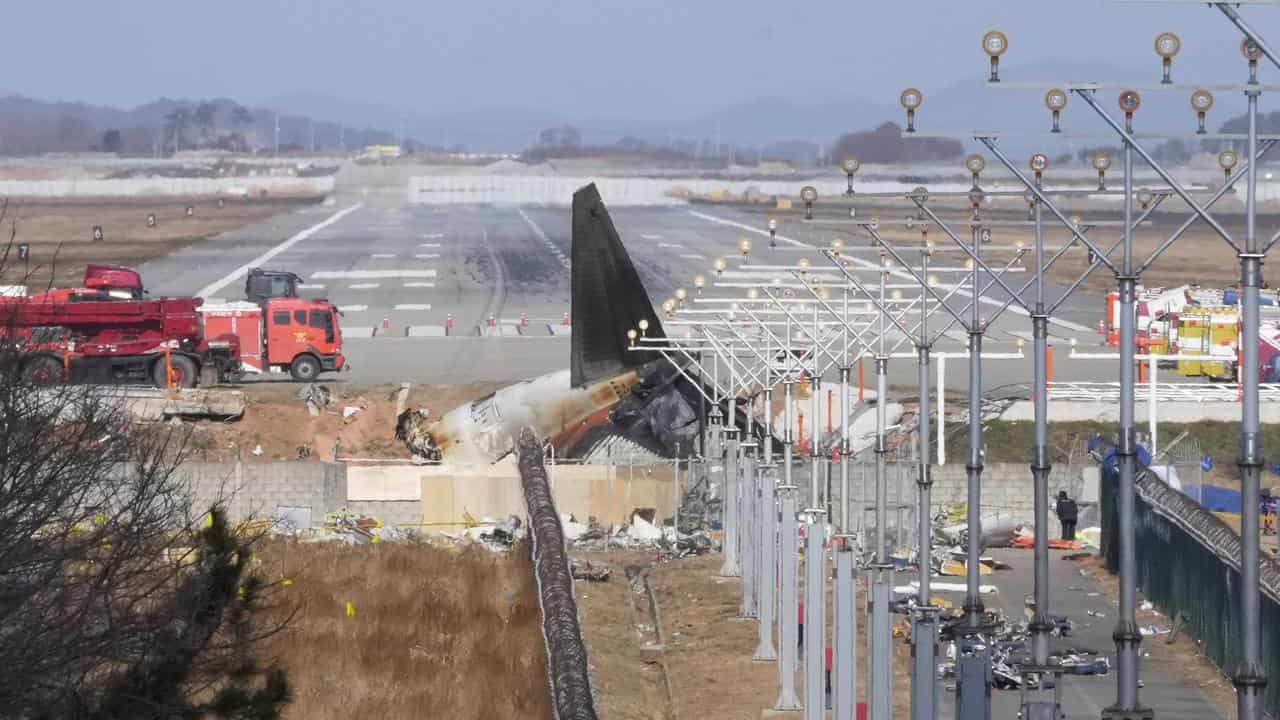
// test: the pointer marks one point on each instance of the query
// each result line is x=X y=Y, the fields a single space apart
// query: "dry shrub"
x=436 y=632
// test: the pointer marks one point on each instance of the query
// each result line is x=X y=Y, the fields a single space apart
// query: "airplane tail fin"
x=607 y=296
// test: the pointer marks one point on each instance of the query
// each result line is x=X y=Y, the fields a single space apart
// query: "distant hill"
x=29 y=126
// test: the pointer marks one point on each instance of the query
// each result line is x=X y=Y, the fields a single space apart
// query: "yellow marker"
x=351 y=610
x=285 y=581
x=208 y=520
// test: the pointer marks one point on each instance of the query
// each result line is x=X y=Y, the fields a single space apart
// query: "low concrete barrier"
x=164 y=187
x=437 y=498
x=608 y=493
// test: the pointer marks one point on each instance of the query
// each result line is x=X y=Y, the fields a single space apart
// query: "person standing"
x=1267 y=506
x=1067 y=513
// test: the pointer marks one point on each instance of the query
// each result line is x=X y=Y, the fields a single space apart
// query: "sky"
x=643 y=59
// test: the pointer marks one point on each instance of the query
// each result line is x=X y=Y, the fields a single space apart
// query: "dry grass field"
x=433 y=632
x=60 y=233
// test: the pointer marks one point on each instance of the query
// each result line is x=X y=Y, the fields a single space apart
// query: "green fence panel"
x=1188 y=563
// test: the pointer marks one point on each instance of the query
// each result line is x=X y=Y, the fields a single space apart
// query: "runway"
x=449 y=294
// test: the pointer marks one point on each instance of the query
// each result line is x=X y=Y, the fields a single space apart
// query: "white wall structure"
x=616 y=191
x=162 y=187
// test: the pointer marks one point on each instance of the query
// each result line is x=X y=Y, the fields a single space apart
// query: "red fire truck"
x=106 y=332
x=282 y=333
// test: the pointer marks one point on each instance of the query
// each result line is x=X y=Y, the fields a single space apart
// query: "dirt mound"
x=357 y=423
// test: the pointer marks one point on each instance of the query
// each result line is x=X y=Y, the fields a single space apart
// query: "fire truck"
x=278 y=330
x=108 y=332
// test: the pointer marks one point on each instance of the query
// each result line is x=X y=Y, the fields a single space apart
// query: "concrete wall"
x=440 y=497
x=607 y=493
x=266 y=489
x=616 y=191
x=437 y=496
x=159 y=186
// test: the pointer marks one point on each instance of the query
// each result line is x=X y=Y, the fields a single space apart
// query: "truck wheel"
x=185 y=374
x=305 y=368
x=42 y=370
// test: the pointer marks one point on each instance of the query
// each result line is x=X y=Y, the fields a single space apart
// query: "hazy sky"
x=642 y=58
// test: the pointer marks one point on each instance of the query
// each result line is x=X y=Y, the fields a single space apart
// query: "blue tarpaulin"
x=1213 y=498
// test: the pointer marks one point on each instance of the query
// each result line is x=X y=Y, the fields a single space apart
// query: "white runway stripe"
x=869 y=265
x=543 y=237
x=310 y=286
x=693 y=256
x=428 y=245
x=433 y=236
x=427 y=256
x=413 y=306
x=670 y=245
x=419 y=285
x=383 y=256
x=362 y=286
x=353 y=308
x=262 y=259
x=370 y=274
x=651 y=237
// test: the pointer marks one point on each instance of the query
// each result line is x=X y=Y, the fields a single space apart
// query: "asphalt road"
x=1083 y=697
x=418 y=285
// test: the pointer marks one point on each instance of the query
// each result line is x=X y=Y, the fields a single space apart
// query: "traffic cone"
x=386 y=323
x=524 y=320
x=492 y=321
x=565 y=320
x=448 y=324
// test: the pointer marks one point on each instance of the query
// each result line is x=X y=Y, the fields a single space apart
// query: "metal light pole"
x=973 y=656
x=727 y=443
x=815 y=607
x=768 y=537
x=845 y=630
x=880 y=637
x=1128 y=638
x=1250 y=677
x=924 y=630
x=1041 y=624
x=787 y=609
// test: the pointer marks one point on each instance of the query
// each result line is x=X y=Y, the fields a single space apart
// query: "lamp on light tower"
x=1167 y=47
x=910 y=99
x=995 y=43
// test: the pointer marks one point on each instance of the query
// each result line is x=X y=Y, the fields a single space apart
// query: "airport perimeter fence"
x=567 y=666
x=1188 y=563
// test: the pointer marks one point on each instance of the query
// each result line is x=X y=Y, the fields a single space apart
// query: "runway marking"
x=427 y=256
x=383 y=256
x=433 y=236
x=362 y=286
x=370 y=274
x=262 y=259
x=543 y=237
x=413 y=306
x=353 y=308
x=693 y=256
x=419 y=285
x=874 y=266
x=650 y=237
x=675 y=246
x=310 y=286
x=428 y=245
